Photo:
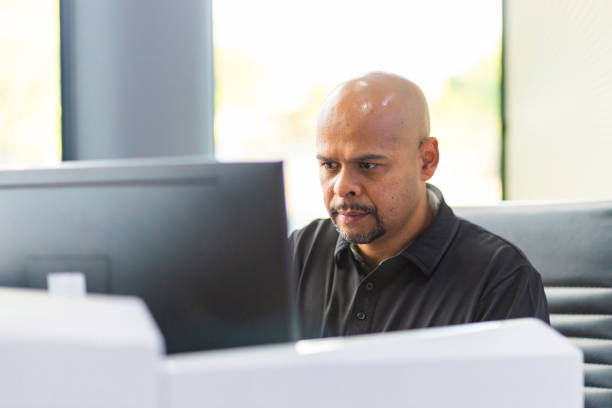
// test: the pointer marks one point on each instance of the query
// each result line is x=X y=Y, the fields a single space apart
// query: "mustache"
x=367 y=209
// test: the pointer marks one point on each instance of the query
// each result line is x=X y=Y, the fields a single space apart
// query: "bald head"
x=378 y=100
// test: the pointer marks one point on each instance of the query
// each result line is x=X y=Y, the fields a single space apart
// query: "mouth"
x=352 y=216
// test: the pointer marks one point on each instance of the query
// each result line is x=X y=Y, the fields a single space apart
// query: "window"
x=30 y=125
x=275 y=61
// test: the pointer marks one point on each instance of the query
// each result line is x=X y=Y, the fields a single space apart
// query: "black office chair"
x=570 y=244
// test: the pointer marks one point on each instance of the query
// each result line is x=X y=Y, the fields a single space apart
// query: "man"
x=393 y=255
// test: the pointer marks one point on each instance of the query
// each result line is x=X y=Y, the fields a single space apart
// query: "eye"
x=367 y=166
x=329 y=165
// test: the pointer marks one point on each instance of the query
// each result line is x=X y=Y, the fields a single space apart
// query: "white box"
x=521 y=363
x=64 y=351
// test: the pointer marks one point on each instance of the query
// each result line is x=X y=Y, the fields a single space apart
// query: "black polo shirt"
x=453 y=272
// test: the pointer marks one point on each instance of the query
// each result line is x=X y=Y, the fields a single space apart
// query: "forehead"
x=355 y=128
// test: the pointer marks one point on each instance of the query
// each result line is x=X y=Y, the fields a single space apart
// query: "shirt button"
x=369 y=286
x=361 y=316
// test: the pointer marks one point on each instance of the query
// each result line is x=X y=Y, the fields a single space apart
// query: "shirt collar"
x=427 y=249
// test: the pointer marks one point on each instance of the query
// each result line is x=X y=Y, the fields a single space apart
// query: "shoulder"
x=319 y=233
x=500 y=257
x=510 y=285
x=482 y=242
x=313 y=245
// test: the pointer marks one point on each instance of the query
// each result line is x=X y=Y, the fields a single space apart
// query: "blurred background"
x=273 y=71
x=30 y=113
x=519 y=91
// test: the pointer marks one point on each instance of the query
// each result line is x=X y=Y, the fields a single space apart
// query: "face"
x=370 y=172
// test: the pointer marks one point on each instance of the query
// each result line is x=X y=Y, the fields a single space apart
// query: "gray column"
x=137 y=78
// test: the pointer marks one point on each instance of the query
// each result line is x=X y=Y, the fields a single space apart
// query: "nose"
x=347 y=184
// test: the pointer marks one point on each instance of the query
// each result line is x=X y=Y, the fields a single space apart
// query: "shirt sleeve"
x=520 y=294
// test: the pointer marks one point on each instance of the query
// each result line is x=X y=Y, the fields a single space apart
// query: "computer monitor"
x=202 y=243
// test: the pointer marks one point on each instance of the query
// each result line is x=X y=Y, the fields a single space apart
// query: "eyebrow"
x=365 y=157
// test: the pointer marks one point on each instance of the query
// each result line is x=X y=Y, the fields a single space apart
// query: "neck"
x=388 y=246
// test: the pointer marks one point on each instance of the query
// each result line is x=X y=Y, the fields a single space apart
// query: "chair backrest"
x=570 y=244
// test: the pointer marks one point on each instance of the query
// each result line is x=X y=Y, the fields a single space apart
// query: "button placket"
x=364 y=304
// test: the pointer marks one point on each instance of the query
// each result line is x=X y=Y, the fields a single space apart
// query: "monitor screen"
x=202 y=243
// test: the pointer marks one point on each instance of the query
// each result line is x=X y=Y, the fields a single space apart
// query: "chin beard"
x=365 y=237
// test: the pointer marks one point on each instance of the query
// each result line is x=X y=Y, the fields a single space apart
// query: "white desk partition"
x=75 y=352
x=521 y=363
x=105 y=351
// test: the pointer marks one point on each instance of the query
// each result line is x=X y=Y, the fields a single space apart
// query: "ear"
x=429 y=155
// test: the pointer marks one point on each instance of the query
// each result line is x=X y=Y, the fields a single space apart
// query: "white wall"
x=559 y=99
